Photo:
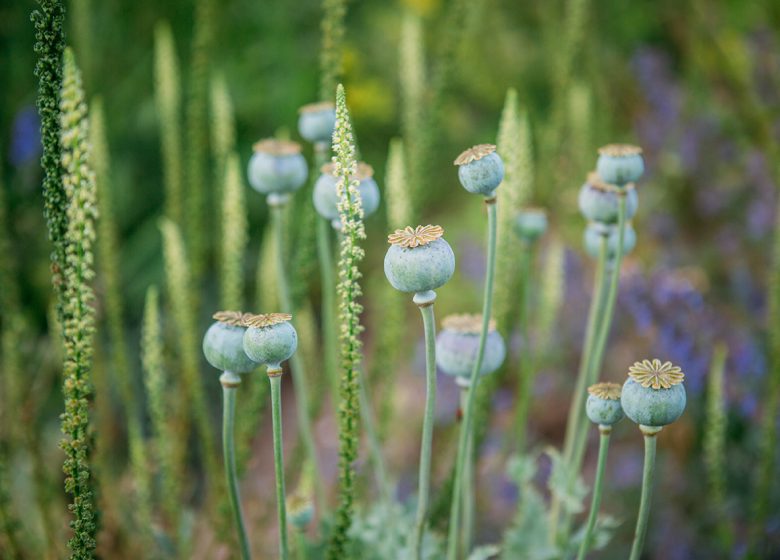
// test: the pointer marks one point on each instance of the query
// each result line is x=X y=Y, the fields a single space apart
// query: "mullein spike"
x=235 y=234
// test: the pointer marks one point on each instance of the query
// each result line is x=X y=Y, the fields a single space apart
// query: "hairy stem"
x=605 y=431
x=647 y=491
x=276 y=414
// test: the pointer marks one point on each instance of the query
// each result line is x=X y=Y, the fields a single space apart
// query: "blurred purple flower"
x=26 y=140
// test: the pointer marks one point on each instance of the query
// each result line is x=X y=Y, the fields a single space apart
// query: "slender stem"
x=526 y=361
x=465 y=429
x=429 y=326
x=329 y=325
x=605 y=431
x=299 y=378
x=301 y=550
x=230 y=382
x=275 y=377
x=647 y=491
x=468 y=485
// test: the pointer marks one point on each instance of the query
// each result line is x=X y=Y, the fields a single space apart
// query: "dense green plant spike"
x=553 y=282
x=168 y=97
x=331 y=55
x=351 y=215
x=223 y=125
x=167 y=446
x=715 y=442
x=49 y=44
x=412 y=79
x=83 y=38
x=580 y=115
x=235 y=235
x=197 y=220
x=78 y=313
x=267 y=292
x=179 y=283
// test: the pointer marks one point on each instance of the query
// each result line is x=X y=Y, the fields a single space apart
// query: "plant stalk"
x=647 y=491
x=230 y=382
x=329 y=325
x=604 y=432
x=468 y=484
x=465 y=429
x=526 y=363
x=275 y=378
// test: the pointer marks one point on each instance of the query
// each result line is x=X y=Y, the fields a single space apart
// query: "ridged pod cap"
x=594 y=232
x=270 y=339
x=316 y=122
x=603 y=404
x=457 y=344
x=223 y=343
x=326 y=197
x=620 y=164
x=480 y=169
x=530 y=224
x=277 y=167
x=419 y=259
x=653 y=395
x=599 y=201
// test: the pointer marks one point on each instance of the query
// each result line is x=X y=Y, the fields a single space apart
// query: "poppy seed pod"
x=653 y=395
x=316 y=121
x=603 y=404
x=326 y=198
x=480 y=169
x=277 y=167
x=223 y=343
x=530 y=224
x=270 y=339
x=599 y=201
x=457 y=344
x=300 y=511
x=595 y=231
x=620 y=164
x=419 y=259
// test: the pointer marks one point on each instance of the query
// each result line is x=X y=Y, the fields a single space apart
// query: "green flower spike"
x=653 y=396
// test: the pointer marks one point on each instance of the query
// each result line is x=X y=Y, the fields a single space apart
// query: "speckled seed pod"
x=316 y=121
x=595 y=231
x=270 y=339
x=599 y=200
x=223 y=344
x=480 y=169
x=326 y=197
x=419 y=259
x=603 y=404
x=653 y=395
x=277 y=167
x=457 y=344
x=620 y=164
x=530 y=224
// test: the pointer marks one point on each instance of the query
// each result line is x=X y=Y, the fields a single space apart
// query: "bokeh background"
x=695 y=83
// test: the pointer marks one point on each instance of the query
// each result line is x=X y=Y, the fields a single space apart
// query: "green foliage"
x=331 y=52
x=381 y=532
x=353 y=232
x=78 y=313
x=235 y=234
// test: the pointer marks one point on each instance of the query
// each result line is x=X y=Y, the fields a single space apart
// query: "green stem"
x=425 y=302
x=299 y=377
x=301 y=550
x=275 y=377
x=329 y=325
x=526 y=363
x=465 y=430
x=647 y=491
x=605 y=431
x=468 y=484
x=230 y=382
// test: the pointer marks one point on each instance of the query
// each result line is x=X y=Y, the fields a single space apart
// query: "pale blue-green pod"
x=599 y=201
x=316 y=122
x=620 y=164
x=277 y=167
x=530 y=224
x=480 y=169
x=603 y=404
x=300 y=511
x=326 y=198
x=653 y=395
x=223 y=343
x=595 y=231
x=270 y=339
x=457 y=345
x=419 y=259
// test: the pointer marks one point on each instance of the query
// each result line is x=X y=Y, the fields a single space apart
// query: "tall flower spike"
x=349 y=290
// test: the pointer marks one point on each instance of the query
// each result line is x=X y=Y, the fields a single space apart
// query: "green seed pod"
x=300 y=511
x=530 y=224
x=480 y=169
x=277 y=167
x=620 y=164
x=603 y=404
x=457 y=345
x=326 y=197
x=653 y=395
x=419 y=260
x=316 y=122
x=223 y=344
x=270 y=339
x=599 y=201
x=594 y=232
